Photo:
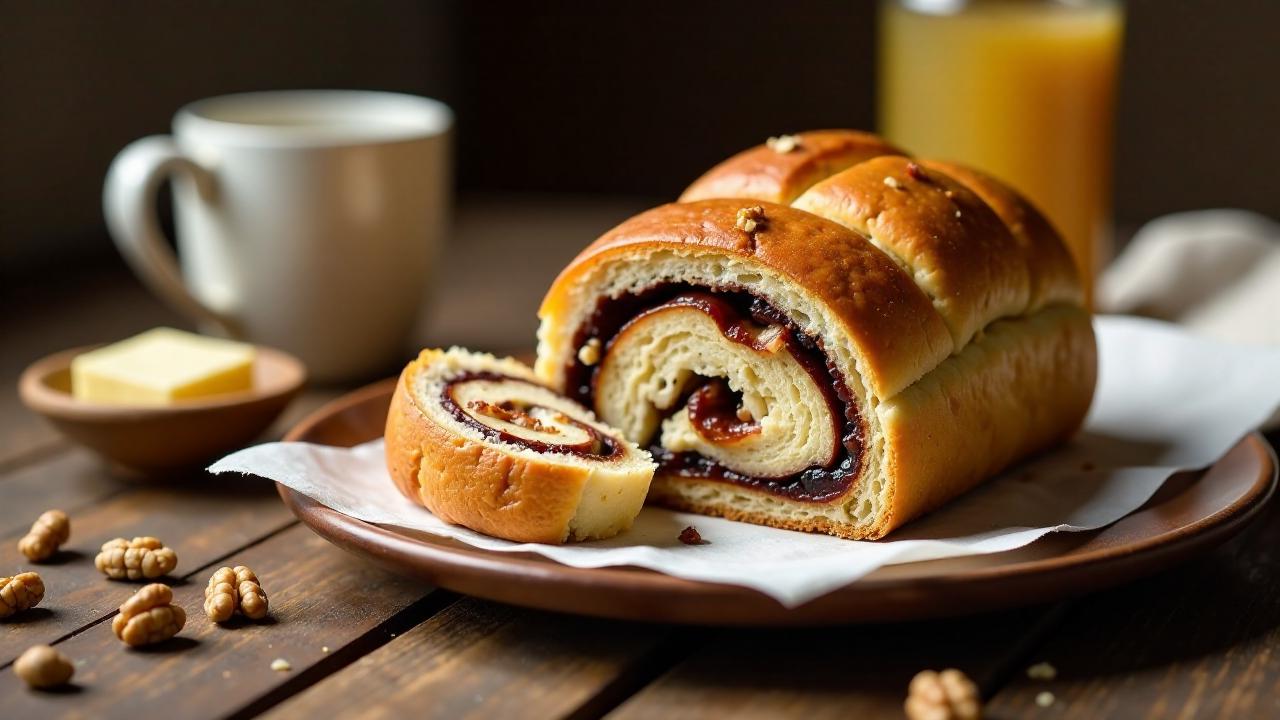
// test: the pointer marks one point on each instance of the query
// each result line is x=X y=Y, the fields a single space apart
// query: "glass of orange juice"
x=1023 y=89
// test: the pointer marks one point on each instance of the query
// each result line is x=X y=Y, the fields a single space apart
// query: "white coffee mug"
x=306 y=219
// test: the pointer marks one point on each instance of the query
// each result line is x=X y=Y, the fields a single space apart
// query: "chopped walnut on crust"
x=783 y=144
x=690 y=536
x=507 y=413
x=589 y=354
x=892 y=182
x=750 y=219
x=948 y=695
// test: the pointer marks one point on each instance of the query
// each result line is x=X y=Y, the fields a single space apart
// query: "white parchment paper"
x=1166 y=401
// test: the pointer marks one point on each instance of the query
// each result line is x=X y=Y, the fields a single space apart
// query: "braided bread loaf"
x=826 y=335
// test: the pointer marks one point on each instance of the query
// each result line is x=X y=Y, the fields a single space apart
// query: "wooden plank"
x=69 y=480
x=1198 y=641
x=73 y=478
x=835 y=672
x=320 y=597
x=203 y=519
x=479 y=659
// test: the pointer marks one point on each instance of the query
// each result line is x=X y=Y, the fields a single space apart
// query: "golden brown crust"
x=466 y=483
x=763 y=173
x=1024 y=387
x=957 y=249
x=1054 y=277
x=885 y=314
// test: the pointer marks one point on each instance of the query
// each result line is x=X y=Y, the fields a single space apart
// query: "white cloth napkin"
x=1167 y=400
x=1215 y=271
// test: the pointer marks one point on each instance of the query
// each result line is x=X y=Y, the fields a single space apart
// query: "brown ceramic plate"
x=1191 y=513
x=154 y=440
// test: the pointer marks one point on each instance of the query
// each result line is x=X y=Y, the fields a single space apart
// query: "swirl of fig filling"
x=518 y=412
x=720 y=385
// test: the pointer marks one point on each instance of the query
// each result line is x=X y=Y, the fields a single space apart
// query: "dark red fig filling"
x=598 y=445
x=712 y=405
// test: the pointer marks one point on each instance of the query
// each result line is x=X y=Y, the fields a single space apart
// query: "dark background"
x=578 y=97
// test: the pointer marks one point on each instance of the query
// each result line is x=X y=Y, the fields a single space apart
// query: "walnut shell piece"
x=149 y=616
x=137 y=559
x=41 y=666
x=50 y=530
x=946 y=695
x=20 y=592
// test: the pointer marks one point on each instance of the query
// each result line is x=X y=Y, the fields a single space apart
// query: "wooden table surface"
x=1201 y=640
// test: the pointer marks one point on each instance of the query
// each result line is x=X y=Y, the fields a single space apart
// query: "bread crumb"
x=957 y=213
x=892 y=182
x=226 y=674
x=324 y=648
x=1042 y=671
x=1045 y=699
x=281 y=665
x=691 y=536
x=783 y=144
x=589 y=354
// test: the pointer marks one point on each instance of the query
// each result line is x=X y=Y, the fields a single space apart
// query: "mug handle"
x=129 y=203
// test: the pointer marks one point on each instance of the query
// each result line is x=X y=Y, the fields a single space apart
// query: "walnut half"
x=20 y=592
x=50 y=530
x=234 y=590
x=948 y=695
x=149 y=616
x=137 y=559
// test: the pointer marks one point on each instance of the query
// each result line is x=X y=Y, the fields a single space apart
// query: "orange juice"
x=1021 y=89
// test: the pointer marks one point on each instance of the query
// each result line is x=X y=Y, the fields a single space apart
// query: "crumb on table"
x=690 y=536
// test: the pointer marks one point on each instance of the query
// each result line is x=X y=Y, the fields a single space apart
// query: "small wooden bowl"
x=154 y=440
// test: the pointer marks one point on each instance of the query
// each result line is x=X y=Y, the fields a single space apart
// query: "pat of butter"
x=161 y=366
